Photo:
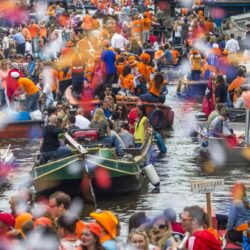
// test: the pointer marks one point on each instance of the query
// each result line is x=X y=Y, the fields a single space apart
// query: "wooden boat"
x=22 y=129
x=68 y=174
x=192 y=90
x=160 y=115
x=229 y=150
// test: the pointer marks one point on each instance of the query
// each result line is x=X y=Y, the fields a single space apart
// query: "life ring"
x=156 y=118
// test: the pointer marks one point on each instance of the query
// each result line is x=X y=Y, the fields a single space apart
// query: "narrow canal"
x=175 y=171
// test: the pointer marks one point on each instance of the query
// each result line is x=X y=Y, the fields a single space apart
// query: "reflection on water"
x=175 y=171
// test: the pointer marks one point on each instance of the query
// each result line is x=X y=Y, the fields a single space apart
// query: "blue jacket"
x=238 y=215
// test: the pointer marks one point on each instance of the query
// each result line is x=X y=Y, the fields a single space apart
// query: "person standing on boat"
x=50 y=141
x=141 y=126
x=239 y=213
x=220 y=90
x=29 y=87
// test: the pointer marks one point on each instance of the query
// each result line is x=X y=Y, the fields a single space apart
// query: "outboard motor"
x=152 y=175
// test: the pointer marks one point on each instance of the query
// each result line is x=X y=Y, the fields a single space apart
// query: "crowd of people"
x=103 y=57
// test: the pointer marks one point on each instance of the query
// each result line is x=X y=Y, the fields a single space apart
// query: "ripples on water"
x=175 y=171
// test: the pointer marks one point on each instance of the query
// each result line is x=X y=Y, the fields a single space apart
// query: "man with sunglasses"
x=193 y=221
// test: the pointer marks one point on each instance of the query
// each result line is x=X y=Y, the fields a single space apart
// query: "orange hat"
x=131 y=58
x=95 y=229
x=145 y=57
x=132 y=62
x=80 y=225
x=158 y=54
x=107 y=220
x=21 y=219
x=42 y=221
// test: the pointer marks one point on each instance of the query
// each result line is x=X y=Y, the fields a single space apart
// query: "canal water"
x=175 y=170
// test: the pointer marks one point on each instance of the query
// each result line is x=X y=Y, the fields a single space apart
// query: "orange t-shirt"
x=29 y=86
x=136 y=26
x=43 y=32
x=26 y=34
x=119 y=68
x=145 y=70
x=127 y=82
x=156 y=90
x=146 y=24
x=235 y=84
x=34 y=30
x=175 y=53
x=148 y=14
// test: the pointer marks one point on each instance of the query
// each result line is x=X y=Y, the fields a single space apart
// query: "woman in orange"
x=144 y=68
x=127 y=79
x=120 y=64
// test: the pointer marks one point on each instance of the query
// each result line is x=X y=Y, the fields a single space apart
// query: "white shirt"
x=28 y=48
x=5 y=43
x=82 y=122
x=232 y=46
x=118 y=41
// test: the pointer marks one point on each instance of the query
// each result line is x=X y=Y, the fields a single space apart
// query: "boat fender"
x=160 y=143
x=152 y=175
x=204 y=144
x=156 y=118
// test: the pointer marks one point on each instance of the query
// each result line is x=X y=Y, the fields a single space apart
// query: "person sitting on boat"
x=239 y=102
x=239 y=213
x=126 y=81
x=50 y=142
x=214 y=113
x=141 y=126
x=220 y=126
x=127 y=138
x=236 y=83
x=100 y=122
x=25 y=85
x=155 y=91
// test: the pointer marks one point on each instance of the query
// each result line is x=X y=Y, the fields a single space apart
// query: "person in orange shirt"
x=148 y=14
x=34 y=31
x=25 y=85
x=155 y=90
x=146 y=26
x=175 y=54
x=236 y=83
x=126 y=80
x=144 y=68
x=120 y=64
x=26 y=33
x=195 y=60
x=136 y=27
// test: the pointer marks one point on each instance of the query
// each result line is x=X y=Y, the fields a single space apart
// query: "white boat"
x=6 y=155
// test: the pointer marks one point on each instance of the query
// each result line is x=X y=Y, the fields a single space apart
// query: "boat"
x=192 y=90
x=235 y=115
x=68 y=174
x=22 y=129
x=160 y=115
